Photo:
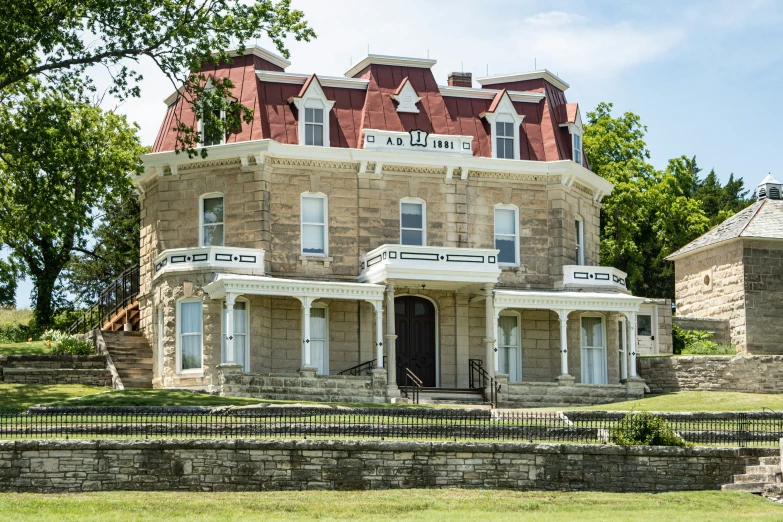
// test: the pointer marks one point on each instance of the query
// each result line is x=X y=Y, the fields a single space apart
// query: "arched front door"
x=415 y=328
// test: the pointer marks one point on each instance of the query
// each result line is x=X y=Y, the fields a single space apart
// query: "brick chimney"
x=461 y=79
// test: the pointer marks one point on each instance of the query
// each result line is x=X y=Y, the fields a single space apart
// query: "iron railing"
x=413 y=385
x=116 y=297
x=718 y=429
x=362 y=368
x=480 y=379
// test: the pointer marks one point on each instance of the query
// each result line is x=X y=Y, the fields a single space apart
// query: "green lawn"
x=32 y=348
x=422 y=505
x=697 y=401
x=26 y=395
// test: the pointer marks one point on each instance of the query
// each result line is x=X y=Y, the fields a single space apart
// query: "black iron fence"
x=751 y=429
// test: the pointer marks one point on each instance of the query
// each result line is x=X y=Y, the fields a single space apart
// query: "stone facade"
x=748 y=374
x=718 y=328
x=256 y=465
x=740 y=281
x=89 y=370
x=565 y=394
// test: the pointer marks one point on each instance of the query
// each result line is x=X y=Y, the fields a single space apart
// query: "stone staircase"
x=452 y=396
x=132 y=357
x=756 y=477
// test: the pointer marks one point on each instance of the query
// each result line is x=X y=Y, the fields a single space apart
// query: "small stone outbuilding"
x=735 y=272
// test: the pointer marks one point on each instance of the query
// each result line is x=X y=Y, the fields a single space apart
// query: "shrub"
x=53 y=336
x=685 y=339
x=70 y=345
x=709 y=348
x=645 y=429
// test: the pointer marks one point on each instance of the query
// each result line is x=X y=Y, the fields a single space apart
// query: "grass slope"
x=422 y=505
x=32 y=348
x=696 y=401
x=26 y=395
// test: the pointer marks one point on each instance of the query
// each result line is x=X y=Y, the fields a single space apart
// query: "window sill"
x=326 y=260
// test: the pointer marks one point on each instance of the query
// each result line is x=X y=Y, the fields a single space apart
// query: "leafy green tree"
x=59 y=160
x=54 y=43
x=8 y=283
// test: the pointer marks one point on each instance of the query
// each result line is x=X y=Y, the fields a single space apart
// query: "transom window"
x=504 y=139
x=314 y=126
x=578 y=148
x=314 y=225
x=506 y=235
x=412 y=223
x=212 y=221
x=593 y=351
x=190 y=335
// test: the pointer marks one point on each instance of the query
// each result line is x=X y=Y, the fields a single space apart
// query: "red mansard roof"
x=363 y=101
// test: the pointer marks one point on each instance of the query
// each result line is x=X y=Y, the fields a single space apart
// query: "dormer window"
x=504 y=124
x=314 y=110
x=577 y=148
x=504 y=137
x=314 y=124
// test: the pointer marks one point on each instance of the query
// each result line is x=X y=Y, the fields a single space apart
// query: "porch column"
x=307 y=303
x=632 y=343
x=490 y=331
x=230 y=300
x=563 y=316
x=378 y=305
x=391 y=338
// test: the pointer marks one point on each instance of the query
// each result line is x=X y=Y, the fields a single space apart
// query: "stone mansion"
x=379 y=231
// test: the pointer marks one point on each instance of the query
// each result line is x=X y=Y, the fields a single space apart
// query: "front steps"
x=132 y=357
x=452 y=396
x=756 y=477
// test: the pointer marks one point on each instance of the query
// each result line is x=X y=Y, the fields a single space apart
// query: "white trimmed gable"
x=407 y=98
x=503 y=111
x=312 y=97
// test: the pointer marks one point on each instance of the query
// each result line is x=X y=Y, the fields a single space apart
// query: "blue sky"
x=704 y=76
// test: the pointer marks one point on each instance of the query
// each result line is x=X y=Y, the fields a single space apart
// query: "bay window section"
x=506 y=235
x=190 y=335
x=412 y=223
x=212 y=220
x=314 y=230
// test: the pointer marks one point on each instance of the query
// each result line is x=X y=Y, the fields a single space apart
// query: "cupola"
x=769 y=188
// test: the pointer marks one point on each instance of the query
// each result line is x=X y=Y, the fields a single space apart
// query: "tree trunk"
x=43 y=315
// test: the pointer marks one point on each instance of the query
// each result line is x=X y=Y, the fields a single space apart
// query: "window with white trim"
x=510 y=346
x=240 y=327
x=623 y=348
x=314 y=123
x=319 y=338
x=212 y=220
x=189 y=335
x=507 y=234
x=579 y=231
x=314 y=225
x=505 y=142
x=593 y=350
x=577 y=139
x=413 y=222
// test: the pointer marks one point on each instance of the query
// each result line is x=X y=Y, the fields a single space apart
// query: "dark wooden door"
x=415 y=328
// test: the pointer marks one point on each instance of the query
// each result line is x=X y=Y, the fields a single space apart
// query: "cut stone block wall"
x=749 y=374
x=89 y=370
x=719 y=328
x=262 y=465
x=763 y=262
x=556 y=395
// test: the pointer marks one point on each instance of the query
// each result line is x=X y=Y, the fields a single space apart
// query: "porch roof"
x=563 y=300
x=296 y=288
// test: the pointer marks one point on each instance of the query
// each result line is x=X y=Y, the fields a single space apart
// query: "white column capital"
x=307 y=301
x=488 y=289
x=389 y=287
x=231 y=298
x=563 y=314
x=378 y=305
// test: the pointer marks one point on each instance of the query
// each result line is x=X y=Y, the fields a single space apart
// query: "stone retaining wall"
x=302 y=386
x=747 y=373
x=55 y=369
x=257 y=465
x=719 y=328
x=564 y=393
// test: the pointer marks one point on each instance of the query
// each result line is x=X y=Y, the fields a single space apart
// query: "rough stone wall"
x=258 y=465
x=763 y=261
x=711 y=285
x=748 y=374
x=89 y=370
x=719 y=328
x=555 y=395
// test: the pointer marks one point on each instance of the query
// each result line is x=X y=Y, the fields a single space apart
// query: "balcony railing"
x=210 y=258
x=592 y=276
x=434 y=266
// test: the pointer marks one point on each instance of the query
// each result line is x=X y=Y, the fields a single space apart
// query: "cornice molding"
x=261 y=285
x=572 y=301
x=542 y=74
x=300 y=79
x=381 y=59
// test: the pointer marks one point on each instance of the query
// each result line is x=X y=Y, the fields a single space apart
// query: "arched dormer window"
x=314 y=108
x=211 y=220
x=504 y=122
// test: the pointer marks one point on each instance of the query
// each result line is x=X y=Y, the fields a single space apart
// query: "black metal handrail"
x=365 y=367
x=413 y=385
x=480 y=379
x=117 y=296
